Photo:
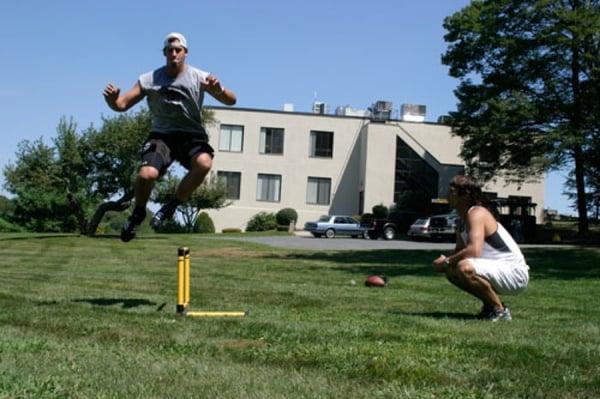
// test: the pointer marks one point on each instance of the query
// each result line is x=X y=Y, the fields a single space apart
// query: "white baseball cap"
x=174 y=37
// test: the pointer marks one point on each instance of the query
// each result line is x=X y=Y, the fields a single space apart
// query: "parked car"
x=419 y=229
x=332 y=225
x=437 y=227
x=443 y=227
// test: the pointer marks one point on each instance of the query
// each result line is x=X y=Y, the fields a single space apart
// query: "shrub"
x=366 y=218
x=204 y=224
x=262 y=221
x=285 y=216
x=171 y=226
x=380 y=211
x=7 y=227
x=231 y=230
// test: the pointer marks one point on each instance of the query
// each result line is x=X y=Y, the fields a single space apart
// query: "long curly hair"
x=467 y=186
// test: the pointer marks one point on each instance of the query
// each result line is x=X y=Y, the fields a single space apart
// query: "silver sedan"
x=332 y=225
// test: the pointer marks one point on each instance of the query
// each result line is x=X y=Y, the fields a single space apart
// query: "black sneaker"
x=500 y=314
x=164 y=213
x=485 y=312
x=129 y=227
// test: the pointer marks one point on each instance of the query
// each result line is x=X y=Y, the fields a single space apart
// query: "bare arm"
x=478 y=218
x=122 y=103
x=214 y=88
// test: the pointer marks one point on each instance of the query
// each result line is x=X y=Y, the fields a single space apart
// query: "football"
x=376 y=281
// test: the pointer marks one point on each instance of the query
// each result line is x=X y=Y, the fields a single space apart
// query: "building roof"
x=434 y=138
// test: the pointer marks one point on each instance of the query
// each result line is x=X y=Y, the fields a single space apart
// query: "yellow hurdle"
x=217 y=314
x=186 y=272
x=183 y=290
x=182 y=279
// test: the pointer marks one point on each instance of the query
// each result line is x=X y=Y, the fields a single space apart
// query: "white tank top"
x=498 y=246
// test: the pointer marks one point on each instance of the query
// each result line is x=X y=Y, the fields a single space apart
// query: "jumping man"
x=175 y=93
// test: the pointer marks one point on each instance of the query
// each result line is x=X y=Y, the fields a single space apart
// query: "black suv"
x=396 y=223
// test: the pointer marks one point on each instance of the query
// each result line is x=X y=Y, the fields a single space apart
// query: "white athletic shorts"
x=506 y=277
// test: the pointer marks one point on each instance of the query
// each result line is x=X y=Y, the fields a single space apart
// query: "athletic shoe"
x=485 y=312
x=129 y=227
x=500 y=314
x=164 y=213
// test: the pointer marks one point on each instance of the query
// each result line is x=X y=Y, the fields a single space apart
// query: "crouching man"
x=486 y=262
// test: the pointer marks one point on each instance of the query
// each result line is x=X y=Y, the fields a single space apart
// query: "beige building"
x=328 y=164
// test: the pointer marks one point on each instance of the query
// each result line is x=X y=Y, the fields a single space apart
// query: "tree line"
x=70 y=184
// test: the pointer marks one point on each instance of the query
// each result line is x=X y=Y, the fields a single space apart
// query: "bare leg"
x=144 y=184
x=200 y=166
x=464 y=277
x=143 y=187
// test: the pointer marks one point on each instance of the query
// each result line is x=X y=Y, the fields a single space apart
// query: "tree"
x=57 y=187
x=592 y=182
x=34 y=179
x=529 y=87
x=212 y=194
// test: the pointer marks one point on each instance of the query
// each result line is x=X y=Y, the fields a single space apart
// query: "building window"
x=318 y=191
x=271 y=140
x=321 y=144
x=231 y=138
x=268 y=188
x=414 y=176
x=232 y=181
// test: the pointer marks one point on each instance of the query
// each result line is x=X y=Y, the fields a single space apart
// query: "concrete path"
x=303 y=240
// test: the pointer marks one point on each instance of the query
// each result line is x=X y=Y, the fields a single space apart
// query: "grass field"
x=94 y=318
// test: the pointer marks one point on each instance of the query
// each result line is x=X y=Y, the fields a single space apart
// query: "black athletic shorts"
x=161 y=149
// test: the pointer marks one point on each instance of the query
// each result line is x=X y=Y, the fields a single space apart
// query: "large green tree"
x=71 y=184
x=529 y=87
x=39 y=178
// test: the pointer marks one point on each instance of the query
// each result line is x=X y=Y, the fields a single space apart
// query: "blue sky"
x=59 y=55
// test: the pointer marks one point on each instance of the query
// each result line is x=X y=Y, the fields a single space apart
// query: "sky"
x=57 y=57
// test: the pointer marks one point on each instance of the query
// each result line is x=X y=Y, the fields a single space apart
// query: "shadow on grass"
x=544 y=263
x=100 y=236
x=118 y=237
x=40 y=237
x=565 y=264
x=126 y=303
x=438 y=315
x=389 y=262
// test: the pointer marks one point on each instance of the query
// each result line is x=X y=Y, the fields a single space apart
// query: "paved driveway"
x=303 y=241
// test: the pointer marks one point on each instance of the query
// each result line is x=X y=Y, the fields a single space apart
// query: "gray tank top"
x=175 y=103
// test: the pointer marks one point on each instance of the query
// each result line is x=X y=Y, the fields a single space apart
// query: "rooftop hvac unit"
x=288 y=107
x=444 y=120
x=320 y=108
x=413 y=112
x=381 y=110
x=349 y=111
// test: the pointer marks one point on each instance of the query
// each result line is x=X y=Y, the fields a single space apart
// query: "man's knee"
x=201 y=163
x=149 y=173
x=464 y=268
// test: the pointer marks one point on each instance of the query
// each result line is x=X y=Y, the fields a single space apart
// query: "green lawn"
x=94 y=318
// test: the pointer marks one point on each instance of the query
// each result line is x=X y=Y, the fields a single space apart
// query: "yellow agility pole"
x=183 y=290
x=181 y=279
x=186 y=273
